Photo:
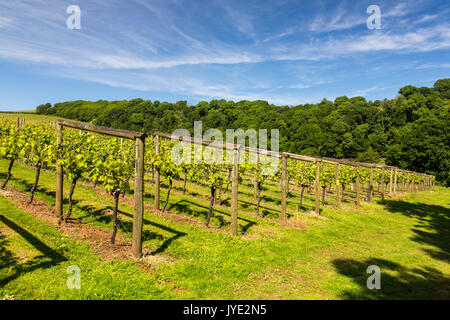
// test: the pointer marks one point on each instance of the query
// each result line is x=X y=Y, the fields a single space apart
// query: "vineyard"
x=188 y=247
x=95 y=155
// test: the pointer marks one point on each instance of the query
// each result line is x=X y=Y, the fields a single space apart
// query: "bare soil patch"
x=98 y=239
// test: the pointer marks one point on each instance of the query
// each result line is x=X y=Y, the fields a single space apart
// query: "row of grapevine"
x=106 y=161
x=109 y=162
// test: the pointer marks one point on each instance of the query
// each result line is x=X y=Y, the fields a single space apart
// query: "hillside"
x=410 y=131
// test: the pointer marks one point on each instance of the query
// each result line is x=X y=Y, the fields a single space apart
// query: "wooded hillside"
x=410 y=131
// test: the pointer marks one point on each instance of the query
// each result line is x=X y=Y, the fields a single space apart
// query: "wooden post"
x=357 y=187
x=395 y=181
x=283 y=188
x=390 y=182
x=255 y=179
x=59 y=174
x=234 y=192
x=338 y=186
x=317 y=185
x=157 y=177
x=371 y=185
x=408 y=183
x=138 y=198
x=382 y=183
x=18 y=123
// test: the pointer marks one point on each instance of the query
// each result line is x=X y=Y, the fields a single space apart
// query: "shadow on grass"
x=47 y=259
x=99 y=215
x=433 y=227
x=149 y=235
x=126 y=227
x=28 y=185
x=397 y=281
x=184 y=206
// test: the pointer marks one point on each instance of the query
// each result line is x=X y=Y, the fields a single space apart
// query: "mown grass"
x=407 y=237
x=28 y=116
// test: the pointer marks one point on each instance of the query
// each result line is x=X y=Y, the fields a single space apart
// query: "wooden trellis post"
x=234 y=192
x=390 y=182
x=357 y=187
x=283 y=187
x=59 y=173
x=371 y=185
x=338 y=186
x=408 y=183
x=382 y=183
x=317 y=185
x=136 y=246
x=395 y=181
x=157 y=176
x=138 y=198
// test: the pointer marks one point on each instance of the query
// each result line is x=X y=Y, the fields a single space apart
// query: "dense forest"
x=410 y=131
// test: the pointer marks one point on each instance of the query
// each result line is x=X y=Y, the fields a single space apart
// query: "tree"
x=44 y=108
x=369 y=156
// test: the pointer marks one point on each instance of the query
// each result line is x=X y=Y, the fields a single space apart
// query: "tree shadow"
x=397 y=281
x=432 y=228
x=47 y=259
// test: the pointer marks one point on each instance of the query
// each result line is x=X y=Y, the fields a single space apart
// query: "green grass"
x=407 y=237
x=29 y=116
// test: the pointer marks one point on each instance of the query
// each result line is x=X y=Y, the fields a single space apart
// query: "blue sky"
x=285 y=52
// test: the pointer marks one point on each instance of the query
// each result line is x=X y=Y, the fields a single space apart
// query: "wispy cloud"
x=4 y=22
x=422 y=40
x=279 y=35
x=433 y=66
x=156 y=47
x=338 y=20
x=401 y=9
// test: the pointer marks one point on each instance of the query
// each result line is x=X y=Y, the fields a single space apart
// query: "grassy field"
x=314 y=258
x=27 y=115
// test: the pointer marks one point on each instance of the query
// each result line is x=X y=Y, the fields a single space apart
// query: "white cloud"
x=162 y=59
x=279 y=35
x=427 y=18
x=433 y=66
x=5 y=22
x=300 y=86
x=340 y=20
x=422 y=40
x=399 y=10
